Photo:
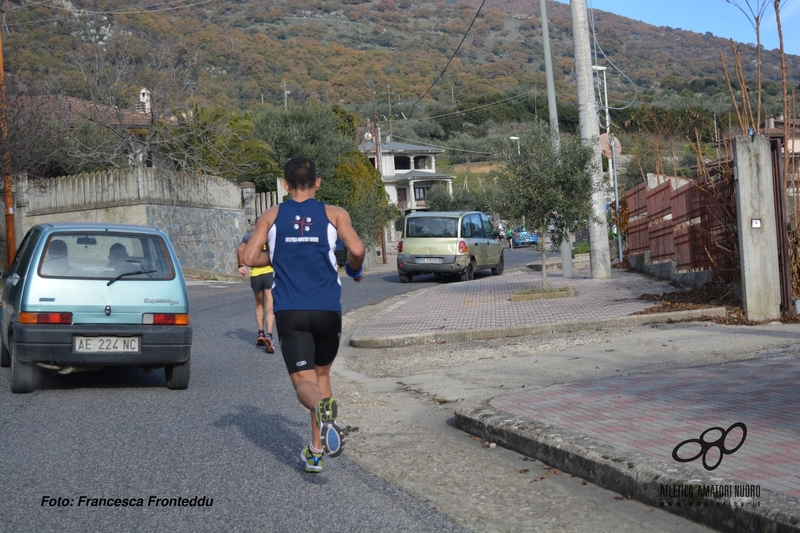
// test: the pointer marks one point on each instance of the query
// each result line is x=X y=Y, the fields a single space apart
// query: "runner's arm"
x=352 y=242
x=254 y=254
x=241 y=266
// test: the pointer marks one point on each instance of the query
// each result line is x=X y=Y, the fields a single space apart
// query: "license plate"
x=106 y=344
x=429 y=260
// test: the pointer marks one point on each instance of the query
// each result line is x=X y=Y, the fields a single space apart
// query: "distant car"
x=523 y=237
x=448 y=242
x=82 y=296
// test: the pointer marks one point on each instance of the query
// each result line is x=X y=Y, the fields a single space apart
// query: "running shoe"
x=313 y=461
x=262 y=339
x=326 y=411
x=269 y=343
x=330 y=434
x=332 y=438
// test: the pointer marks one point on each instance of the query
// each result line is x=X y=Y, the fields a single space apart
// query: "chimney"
x=144 y=102
x=771 y=123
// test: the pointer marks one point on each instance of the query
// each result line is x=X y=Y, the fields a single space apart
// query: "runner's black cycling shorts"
x=308 y=338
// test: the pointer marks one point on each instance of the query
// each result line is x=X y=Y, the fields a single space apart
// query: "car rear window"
x=105 y=255
x=432 y=227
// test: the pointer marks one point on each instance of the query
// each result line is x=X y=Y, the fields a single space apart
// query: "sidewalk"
x=620 y=432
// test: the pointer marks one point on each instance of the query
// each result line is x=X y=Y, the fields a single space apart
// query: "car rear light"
x=166 y=319
x=462 y=247
x=45 y=318
x=400 y=247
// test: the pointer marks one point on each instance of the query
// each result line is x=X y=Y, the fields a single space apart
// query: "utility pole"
x=566 y=245
x=376 y=139
x=285 y=97
x=599 y=255
x=8 y=196
x=612 y=141
x=389 y=96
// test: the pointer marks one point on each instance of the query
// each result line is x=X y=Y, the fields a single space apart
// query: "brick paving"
x=646 y=414
x=654 y=413
x=486 y=303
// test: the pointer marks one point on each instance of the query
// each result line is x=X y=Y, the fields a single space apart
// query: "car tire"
x=178 y=375
x=5 y=356
x=406 y=278
x=496 y=271
x=469 y=273
x=23 y=376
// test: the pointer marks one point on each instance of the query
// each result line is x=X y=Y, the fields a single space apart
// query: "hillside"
x=244 y=52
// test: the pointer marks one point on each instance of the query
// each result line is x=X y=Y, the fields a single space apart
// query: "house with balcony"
x=408 y=172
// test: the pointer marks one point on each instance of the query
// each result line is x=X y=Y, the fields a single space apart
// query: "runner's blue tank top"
x=302 y=242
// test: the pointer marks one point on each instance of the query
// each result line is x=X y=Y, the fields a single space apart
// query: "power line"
x=598 y=47
x=444 y=147
x=463 y=111
x=449 y=60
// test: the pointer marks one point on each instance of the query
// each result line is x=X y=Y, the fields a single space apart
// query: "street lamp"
x=513 y=138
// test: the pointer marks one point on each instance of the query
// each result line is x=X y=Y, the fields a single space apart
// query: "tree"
x=124 y=104
x=366 y=200
x=221 y=145
x=755 y=15
x=462 y=199
x=548 y=184
x=327 y=135
x=312 y=129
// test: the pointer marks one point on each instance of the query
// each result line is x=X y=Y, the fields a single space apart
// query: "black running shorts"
x=308 y=338
x=262 y=282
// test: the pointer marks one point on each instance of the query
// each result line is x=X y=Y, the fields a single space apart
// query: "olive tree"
x=545 y=183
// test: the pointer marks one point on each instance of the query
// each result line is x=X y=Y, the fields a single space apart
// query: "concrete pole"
x=599 y=255
x=758 y=237
x=566 y=246
x=612 y=160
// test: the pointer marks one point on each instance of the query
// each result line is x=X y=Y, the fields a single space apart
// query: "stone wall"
x=205 y=239
x=202 y=215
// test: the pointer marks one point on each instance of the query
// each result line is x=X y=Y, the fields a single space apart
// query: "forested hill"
x=243 y=53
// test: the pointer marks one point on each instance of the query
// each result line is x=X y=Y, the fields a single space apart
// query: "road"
x=233 y=439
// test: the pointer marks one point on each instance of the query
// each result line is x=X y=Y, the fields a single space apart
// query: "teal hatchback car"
x=83 y=296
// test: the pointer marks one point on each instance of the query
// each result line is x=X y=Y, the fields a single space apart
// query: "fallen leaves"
x=555 y=471
x=485 y=444
x=709 y=295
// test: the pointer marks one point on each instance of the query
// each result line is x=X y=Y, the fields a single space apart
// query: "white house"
x=408 y=172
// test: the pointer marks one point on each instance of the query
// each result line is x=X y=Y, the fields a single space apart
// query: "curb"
x=628 y=473
x=358 y=340
x=206 y=275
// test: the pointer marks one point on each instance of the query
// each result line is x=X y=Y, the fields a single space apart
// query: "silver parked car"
x=82 y=296
x=448 y=242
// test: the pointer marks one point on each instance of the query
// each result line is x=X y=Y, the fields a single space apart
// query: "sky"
x=717 y=16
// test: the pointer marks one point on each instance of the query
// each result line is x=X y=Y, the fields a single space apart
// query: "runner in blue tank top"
x=302 y=234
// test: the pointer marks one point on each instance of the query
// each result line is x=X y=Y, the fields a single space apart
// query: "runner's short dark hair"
x=300 y=173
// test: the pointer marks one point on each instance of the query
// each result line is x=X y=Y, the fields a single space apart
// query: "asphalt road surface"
x=231 y=441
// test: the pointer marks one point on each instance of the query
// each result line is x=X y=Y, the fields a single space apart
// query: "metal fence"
x=693 y=225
